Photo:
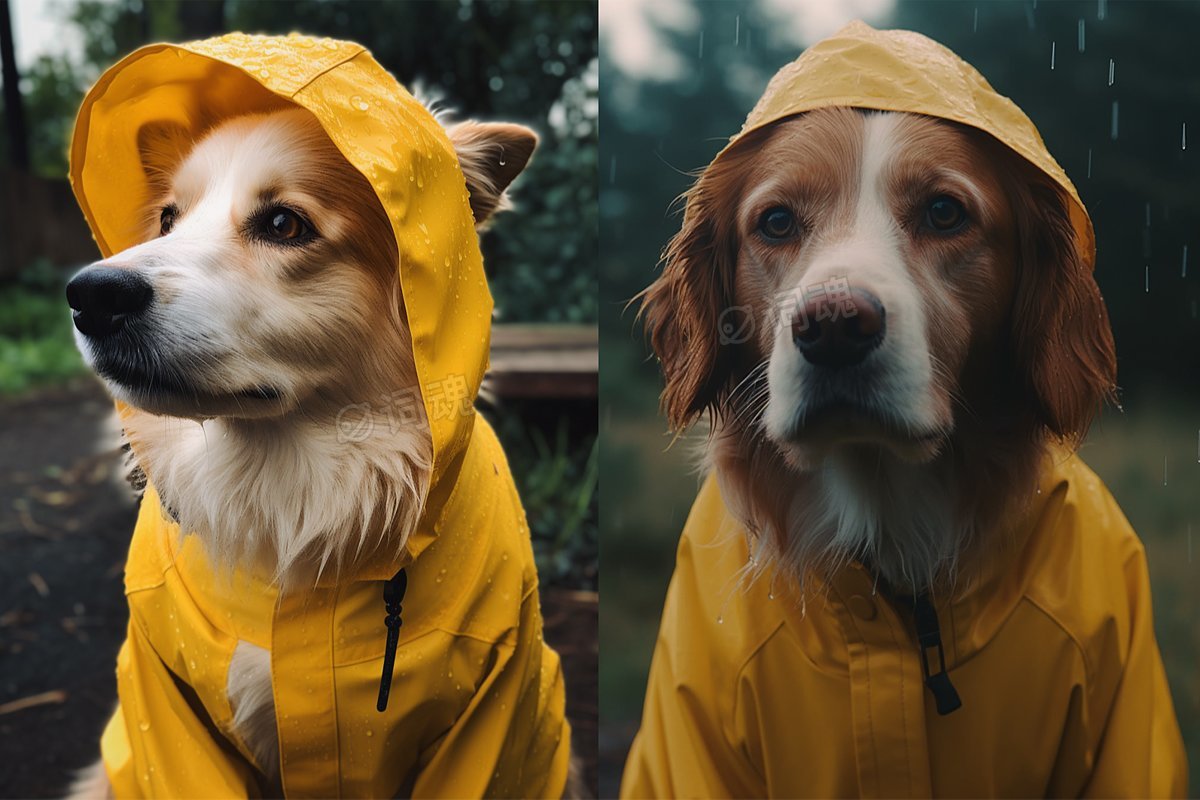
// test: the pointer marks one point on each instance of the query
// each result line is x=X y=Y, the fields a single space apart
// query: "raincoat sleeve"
x=689 y=744
x=513 y=739
x=1139 y=751
x=156 y=745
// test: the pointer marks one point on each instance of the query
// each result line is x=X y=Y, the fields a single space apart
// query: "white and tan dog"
x=241 y=326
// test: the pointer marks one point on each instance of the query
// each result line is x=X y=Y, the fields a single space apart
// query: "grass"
x=37 y=347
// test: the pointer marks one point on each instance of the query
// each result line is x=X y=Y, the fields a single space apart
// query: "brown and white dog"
x=905 y=324
x=248 y=317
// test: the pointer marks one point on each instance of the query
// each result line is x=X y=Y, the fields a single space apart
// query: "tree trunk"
x=14 y=107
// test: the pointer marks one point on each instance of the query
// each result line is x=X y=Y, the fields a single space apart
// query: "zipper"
x=929 y=637
x=393 y=596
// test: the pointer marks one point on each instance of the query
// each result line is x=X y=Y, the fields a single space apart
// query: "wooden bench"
x=540 y=361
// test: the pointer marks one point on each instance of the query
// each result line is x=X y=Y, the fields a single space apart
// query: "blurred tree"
x=18 y=142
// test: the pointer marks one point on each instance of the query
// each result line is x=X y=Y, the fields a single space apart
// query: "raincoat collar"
x=898 y=70
x=386 y=134
x=971 y=610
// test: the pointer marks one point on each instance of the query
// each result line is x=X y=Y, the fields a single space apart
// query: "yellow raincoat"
x=477 y=701
x=1051 y=651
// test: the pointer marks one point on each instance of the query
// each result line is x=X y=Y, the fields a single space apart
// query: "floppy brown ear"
x=162 y=146
x=491 y=155
x=1063 y=340
x=682 y=310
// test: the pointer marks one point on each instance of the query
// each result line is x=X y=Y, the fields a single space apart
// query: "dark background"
x=663 y=122
x=65 y=520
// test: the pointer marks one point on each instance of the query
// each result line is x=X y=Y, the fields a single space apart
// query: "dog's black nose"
x=839 y=329
x=102 y=298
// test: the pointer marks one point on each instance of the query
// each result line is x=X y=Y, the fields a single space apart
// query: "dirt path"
x=65 y=522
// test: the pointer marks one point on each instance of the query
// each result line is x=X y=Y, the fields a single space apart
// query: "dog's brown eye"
x=945 y=214
x=777 y=223
x=166 y=220
x=286 y=224
x=282 y=225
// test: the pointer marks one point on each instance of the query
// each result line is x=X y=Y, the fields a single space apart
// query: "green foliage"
x=36 y=343
x=557 y=476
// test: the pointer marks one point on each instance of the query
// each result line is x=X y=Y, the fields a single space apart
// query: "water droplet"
x=370 y=733
x=720 y=620
x=329 y=44
x=359 y=103
x=144 y=725
x=263 y=73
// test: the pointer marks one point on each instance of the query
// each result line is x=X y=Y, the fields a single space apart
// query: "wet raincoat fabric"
x=477 y=699
x=755 y=693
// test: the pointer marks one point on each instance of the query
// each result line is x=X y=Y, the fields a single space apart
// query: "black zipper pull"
x=930 y=635
x=393 y=595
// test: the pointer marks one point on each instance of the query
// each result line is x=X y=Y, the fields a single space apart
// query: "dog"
x=888 y=320
x=914 y=351
x=262 y=301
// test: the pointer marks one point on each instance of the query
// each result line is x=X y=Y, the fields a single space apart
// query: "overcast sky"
x=629 y=28
x=38 y=27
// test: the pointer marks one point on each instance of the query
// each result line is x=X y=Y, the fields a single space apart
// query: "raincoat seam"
x=1087 y=667
x=737 y=678
x=331 y=654
x=908 y=760
x=844 y=612
x=503 y=641
x=324 y=72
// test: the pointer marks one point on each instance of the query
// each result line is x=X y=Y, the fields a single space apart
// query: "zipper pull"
x=929 y=635
x=393 y=595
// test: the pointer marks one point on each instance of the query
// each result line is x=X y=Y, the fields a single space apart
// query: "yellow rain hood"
x=377 y=125
x=900 y=70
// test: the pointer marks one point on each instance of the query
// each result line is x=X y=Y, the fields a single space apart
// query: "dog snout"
x=103 y=298
x=839 y=330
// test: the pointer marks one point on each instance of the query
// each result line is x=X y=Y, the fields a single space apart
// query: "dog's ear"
x=684 y=308
x=491 y=155
x=162 y=146
x=1063 y=341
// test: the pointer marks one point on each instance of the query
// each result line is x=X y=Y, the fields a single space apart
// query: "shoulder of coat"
x=1083 y=556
